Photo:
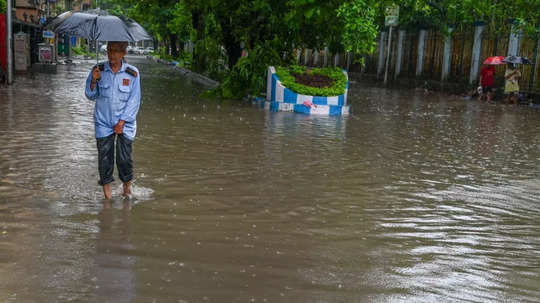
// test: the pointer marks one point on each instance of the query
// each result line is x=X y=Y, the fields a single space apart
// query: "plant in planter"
x=319 y=91
x=314 y=81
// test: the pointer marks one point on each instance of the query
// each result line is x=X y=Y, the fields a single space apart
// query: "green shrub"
x=162 y=54
x=78 y=50
x=248 y=75
x=285 y=75
x=185 y=59
x=83 y=50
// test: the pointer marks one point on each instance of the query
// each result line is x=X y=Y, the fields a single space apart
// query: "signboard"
x=45 y=53
x=21 y=55
x=48 y=34
x=391 y=15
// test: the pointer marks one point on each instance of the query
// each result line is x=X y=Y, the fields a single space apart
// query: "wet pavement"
x=414 y=198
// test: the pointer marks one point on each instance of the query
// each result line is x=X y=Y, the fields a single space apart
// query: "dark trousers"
x=124 y=163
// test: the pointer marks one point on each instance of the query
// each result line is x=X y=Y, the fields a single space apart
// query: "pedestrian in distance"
x=487 y=81
x=115 y=86
x=511 y=86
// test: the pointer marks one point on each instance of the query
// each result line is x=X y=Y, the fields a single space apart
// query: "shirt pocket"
x=104 y=89
x=123 y=92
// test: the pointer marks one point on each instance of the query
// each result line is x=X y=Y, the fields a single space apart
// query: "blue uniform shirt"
x=118 y=97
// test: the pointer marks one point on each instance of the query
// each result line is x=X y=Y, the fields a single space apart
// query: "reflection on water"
x=414 y=198
x=113 y=262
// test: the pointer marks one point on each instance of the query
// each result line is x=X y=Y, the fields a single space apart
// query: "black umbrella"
x=52 y=23
x=517 y=60
x=98 y=25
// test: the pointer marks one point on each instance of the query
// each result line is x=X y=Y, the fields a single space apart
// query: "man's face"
x=115 y=52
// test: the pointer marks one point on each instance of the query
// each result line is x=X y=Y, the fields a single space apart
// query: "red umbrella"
x=496 y=60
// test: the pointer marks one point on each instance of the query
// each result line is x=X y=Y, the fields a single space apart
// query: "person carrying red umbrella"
x=487 y=77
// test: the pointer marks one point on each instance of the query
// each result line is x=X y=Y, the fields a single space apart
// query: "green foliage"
x=248 y=74
x=221 y=29
x=58 y=10
x=162 y=54
x=83 y=50
x=211 y=52
x=270 y=30
x=180 y=22
x=3 y=5
x=114 y=7
x=360 y=30
x=78 y=50
x=441 y=14
x=285 y=75
x=185 y=59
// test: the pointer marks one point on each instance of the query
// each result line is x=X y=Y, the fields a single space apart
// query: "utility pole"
x=9 y=43
x=388 y=56
x=390 y=20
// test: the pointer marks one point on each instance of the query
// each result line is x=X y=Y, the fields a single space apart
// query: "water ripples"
x=413 y=198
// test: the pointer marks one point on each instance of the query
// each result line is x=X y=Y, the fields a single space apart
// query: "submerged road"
x=414 y=198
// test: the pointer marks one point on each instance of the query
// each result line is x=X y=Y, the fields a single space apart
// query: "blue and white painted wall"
x=280 y=98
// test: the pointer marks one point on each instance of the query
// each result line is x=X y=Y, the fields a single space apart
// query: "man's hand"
x=96 y=74
x=119 y=127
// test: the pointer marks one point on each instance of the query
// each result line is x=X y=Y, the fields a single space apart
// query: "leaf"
x=309 y=13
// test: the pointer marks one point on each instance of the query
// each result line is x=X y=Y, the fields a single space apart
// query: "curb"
x=201 y=79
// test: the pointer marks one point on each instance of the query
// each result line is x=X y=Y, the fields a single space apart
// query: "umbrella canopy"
x=53 y=23
x=98 y=25
x=496 y=60
x=517 y=60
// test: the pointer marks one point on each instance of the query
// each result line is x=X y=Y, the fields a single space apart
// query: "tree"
x=360 y=30
x=269 y=30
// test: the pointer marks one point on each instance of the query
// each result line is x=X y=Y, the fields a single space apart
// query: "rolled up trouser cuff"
x=103 y=182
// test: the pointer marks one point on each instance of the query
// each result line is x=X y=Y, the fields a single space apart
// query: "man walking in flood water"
x=115 y=85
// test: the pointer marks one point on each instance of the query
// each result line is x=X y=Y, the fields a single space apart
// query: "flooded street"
x=414 y=198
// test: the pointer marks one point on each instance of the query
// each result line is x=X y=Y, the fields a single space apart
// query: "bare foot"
x=127 y=190
x=107 y=191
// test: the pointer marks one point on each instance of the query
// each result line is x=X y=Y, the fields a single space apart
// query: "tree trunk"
x=174 y=49
x=234 y=51
x=197 y=21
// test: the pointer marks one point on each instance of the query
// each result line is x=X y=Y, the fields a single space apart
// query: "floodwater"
x=414 y=198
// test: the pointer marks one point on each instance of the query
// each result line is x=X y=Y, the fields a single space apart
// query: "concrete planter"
x=280 y=98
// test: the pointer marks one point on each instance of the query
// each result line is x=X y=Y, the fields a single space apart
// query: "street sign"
x=48 y=34
x=391 y=19
x=391 y=16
